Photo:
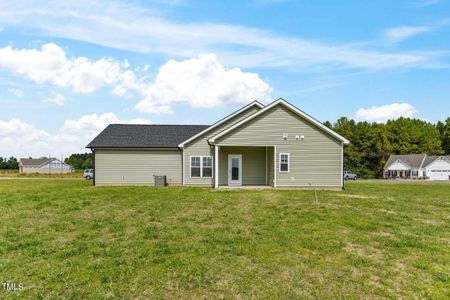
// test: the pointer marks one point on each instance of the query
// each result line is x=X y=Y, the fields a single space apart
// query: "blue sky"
x=69 y=69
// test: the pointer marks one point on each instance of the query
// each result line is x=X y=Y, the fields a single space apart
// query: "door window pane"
x=234 y=169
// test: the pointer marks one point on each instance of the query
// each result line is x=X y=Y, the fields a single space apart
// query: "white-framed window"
x=201 y=167
x=284 y=163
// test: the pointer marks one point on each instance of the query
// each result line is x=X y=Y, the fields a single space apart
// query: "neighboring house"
x=275 y=145
x=419 y=166
x=44 y=165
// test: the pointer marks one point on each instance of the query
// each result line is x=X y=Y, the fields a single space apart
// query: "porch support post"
x=274 y=166
x=267 y=178
x=216 y=166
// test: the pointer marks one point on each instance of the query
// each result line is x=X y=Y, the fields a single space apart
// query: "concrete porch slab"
x=245 y=187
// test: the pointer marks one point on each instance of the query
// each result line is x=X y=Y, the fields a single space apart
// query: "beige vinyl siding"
x=315 y=161
x=253 y=164
x=200 y=147
x=136 y=167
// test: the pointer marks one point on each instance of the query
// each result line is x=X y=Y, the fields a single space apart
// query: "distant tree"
x=328 y=124
x=444 y=132
x=80 y=160
x=3 y=163
x=12 y=163
x=411 y=136
x=9 y=164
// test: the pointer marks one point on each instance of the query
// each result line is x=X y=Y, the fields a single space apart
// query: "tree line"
x=8 y=163
x=371 y=144
x=80 y=160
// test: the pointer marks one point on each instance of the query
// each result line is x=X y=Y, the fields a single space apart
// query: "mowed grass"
x=67 y=239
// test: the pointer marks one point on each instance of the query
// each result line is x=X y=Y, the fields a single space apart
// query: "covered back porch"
x=239 y=166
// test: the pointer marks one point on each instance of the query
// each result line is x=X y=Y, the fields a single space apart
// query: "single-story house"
x=44 y=165
x=420 y=166
x=276 y=145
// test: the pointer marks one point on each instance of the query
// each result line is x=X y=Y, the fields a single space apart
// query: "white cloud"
x=17 y=127
x=21 y=139
x=2 y=29
x=201 y=82
x=17 y=135
x=56 y=98
x=95 y=123
x=386 y=112
x=16 y=92
x=129 y=26
x=50 y=64
x=398 y=34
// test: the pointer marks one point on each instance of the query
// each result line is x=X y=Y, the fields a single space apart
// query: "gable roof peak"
x=291 y=107
x=431 y=159
x=256 y=102
x=221 y=121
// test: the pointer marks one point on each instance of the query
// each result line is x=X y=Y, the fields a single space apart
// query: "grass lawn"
x=66 y=239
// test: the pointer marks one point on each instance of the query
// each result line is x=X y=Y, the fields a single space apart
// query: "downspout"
x=342 y=166
x=216 y=166
x=93 y=166
x=182 y=166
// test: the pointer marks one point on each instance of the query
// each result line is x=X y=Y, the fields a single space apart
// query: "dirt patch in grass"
x=388 y=211
x=364 y=251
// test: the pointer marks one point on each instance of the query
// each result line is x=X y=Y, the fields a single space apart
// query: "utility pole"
x=49 y=166
x=62 y=165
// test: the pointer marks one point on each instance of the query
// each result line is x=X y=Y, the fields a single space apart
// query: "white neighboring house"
x=44 y=165
x=419 y=166
x=437 y=167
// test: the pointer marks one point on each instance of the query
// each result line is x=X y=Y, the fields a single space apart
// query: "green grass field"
x=67 y=239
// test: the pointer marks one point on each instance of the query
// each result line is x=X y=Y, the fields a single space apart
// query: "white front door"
x=234 y=169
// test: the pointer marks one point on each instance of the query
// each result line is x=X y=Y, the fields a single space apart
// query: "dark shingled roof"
x=144 y=136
